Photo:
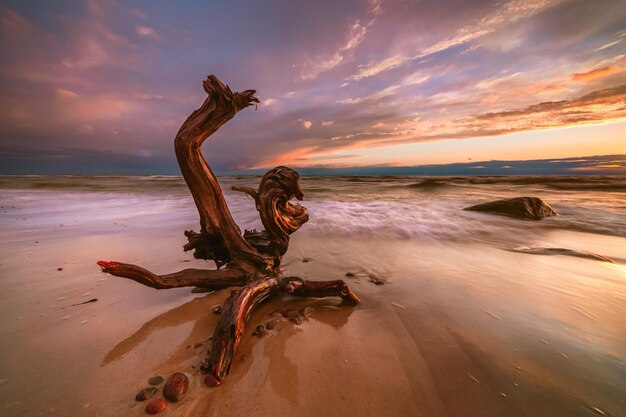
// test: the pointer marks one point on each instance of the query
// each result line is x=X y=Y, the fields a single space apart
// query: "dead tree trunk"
x=251 y=261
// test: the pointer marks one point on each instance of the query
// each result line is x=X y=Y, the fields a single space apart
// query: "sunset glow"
x=102 y=86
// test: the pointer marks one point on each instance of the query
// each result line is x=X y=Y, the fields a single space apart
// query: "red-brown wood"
x=252 y=260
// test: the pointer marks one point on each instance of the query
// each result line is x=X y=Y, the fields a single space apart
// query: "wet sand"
x=458 y=329
x=462 y=326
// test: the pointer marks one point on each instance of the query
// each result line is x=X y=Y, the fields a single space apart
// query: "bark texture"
x=249 y=262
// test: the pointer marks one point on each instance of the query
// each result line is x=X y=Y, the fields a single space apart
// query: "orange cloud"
x=597 y=73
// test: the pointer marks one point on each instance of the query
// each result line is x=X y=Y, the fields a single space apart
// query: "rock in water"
x=155 y=380
x=156 y=406
x=175 y=387
x=525 y=208
x=293 y=316
x=146 y=394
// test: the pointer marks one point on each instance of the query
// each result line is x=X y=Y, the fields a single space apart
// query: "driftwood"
x=248 y=262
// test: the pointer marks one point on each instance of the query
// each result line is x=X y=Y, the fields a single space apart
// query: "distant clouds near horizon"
x=102 y=86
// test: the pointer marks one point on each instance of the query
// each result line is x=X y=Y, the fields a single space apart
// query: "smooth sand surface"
x=459 y=329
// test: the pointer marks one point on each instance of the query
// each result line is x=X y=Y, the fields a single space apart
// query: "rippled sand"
x=462 y=327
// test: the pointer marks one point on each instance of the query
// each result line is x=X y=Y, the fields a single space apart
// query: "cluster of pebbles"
x=177 y=384
x=174 y=389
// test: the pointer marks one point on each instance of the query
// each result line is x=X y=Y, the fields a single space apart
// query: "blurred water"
x=403 y=207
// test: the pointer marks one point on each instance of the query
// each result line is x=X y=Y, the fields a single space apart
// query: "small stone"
x=211 y=381
x=306 y=311
x=155 y=380
x=350 y=274
x=197 y=345
x=146 y=394
x=217 y=310
x=376 y=280
x=293 y=316
x=59 y=269
x=270 y=324
x=260 y=328
x=156 y=406
x=175 y=387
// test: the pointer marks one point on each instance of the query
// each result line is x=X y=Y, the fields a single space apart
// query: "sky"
x=103 y=86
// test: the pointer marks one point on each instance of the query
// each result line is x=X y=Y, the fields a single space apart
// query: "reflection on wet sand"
x=281 y=367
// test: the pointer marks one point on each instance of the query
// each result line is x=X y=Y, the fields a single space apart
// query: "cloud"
x=146 y=32
x=505 y=15
x=72 y=76
x=65 y=95
x=374 y=68
x=597 y=73
x=356 y=36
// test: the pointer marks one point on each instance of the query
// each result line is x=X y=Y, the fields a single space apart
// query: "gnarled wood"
x=253 y=259
x=202 y=278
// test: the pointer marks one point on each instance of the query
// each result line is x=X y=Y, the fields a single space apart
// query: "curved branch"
x=304 y=288
x=235 y=313
x=202 y=278
x=218 y=228
x=247 y=190
x=280 y=218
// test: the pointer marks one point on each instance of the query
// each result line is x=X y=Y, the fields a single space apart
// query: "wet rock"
x=211 y=381
x=204 y=366
x=525 y=208
x=156 y=406
x=146 y=394
x=175 y=387
x=306 y=311
x=293 y=316
x=217 y=310
x=155 y=380
x=376 y=280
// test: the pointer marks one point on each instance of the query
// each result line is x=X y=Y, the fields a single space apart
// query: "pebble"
x=211 y=381
x=350 y=274
x=306 y=311
x=270 y=324
x=156 y=406
x=598 y=411
x=146 y=394
x=293 y=316
x=59 y=269
x=155 y=380
x=175 y=387
x=217 y=310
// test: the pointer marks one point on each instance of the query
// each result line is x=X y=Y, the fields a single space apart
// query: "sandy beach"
x=463 y=326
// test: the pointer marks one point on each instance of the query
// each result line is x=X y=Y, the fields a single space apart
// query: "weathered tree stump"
x=248 y=262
